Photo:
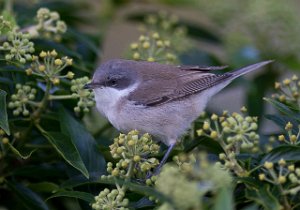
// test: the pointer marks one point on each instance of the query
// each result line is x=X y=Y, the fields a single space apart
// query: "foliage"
x=54 y=156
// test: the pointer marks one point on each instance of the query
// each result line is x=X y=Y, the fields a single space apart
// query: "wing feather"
x=202 y=68
x=201 y=84
x=175 y=83
x=151 y=95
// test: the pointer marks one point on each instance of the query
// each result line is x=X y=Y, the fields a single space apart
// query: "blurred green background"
x=232 y=32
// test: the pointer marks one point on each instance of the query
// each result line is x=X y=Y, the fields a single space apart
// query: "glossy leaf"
x=281 y=121
x=28 y=198
x=134 y=187
x=44 y=187
x=286 y=110
x=74 y=194
x=264 y=197
x=66 y=148
x=76 y=181
x=17 y=152
x=84 y=142
x=3 y=114
x=287 y=152
x=249 y=181
x=204 y=143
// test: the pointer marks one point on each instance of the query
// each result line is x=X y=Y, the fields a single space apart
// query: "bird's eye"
x=113 y=82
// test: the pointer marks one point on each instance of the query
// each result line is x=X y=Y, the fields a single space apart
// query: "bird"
x=160 y=99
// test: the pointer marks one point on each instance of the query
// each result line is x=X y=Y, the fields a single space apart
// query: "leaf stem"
x=128 y=174
x=130 y=170
x=43 y=104
x=61 y=97
x=236 y=166
x=285 y=200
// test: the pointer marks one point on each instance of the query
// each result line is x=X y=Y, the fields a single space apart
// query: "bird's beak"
x=92 y=85
x=88 y=86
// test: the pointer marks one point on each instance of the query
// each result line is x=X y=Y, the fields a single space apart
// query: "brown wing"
x=175 y=83
x=152 y=93
x=200 y=84
x=202 y=68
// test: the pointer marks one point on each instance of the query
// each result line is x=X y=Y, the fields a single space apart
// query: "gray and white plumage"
x=154 y=98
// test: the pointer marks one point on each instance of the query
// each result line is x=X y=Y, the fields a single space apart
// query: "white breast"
x=108 y=100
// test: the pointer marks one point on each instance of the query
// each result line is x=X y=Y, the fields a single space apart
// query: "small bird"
x=159 y=99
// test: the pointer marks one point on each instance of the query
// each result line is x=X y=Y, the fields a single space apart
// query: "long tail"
x=246 y=69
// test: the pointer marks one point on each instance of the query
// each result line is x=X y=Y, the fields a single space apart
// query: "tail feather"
x=247 y=69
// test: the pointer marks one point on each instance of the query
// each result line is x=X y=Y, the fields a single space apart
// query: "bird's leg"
x=157 y=170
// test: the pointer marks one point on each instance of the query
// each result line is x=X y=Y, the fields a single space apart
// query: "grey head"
x=116 y=73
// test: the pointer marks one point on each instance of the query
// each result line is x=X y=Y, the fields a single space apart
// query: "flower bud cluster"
x=24 y=96
x=235 y=130
x=192 y=178
x=86 y=97
x=290 y=137
x=152 y=48
x=162 y=20
x=49 y=24
x=167 y=25
x=288 y=91
x=18 y=47
x=135 y=153
x=281 y=173
x=197 y=166
x=185 y=162
x=111 y=200
x=48 y=65
x=5 y=26
x=180 y=188
x=234 y=133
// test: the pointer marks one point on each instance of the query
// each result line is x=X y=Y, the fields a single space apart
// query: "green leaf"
x=224 y=200
x=249 y=181
x=264 y=197
x=84 y=142
x=74 y=194
x=65 y=147
x=204 y=143
x=47 y=187
x=76 y=182
x=17 y=152
x=281 y=121
x=134 y=187
x=28 y=198
x=286 y=110
x=3 y=114
x=287 y=152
